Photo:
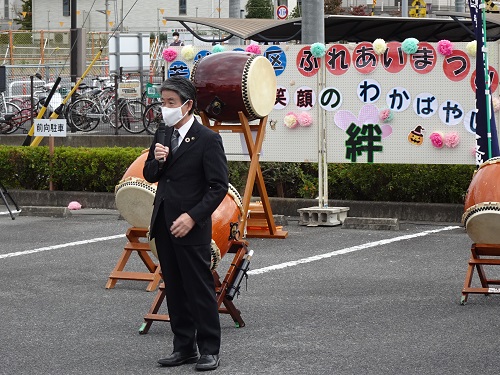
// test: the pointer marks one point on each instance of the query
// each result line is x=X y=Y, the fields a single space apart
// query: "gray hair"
x=183 y=87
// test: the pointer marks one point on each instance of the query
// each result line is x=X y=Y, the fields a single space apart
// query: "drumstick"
x=161 y=138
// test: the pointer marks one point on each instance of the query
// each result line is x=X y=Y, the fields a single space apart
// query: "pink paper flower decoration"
x=386 y=115
x=452 y=139
x=253 y=48
x=169 y=54
x=304 y=119
x=290 y=120
x=74 y=205
x=496 y=104
x=445 y=47
x=436 y=139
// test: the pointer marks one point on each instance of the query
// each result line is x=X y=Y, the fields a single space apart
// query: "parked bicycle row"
x=91 y=107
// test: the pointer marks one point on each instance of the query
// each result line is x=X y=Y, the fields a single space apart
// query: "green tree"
x=296 y=12
x=330 y=7
x=333 y=7
x=259 y=9
x=24 y=21
x=359 y=10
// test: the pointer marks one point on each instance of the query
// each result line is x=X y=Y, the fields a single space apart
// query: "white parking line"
x=54 y=247
x=347 y=250
x=258 y=270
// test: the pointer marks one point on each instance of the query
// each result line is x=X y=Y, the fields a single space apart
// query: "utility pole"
x=73 y=36
x=107 y=15
x=234 y=12
x=121 y=17
x=313 y=24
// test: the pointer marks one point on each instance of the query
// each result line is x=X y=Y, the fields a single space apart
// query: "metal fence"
x=45 y=55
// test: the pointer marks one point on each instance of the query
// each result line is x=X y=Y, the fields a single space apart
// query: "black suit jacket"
x=194 y=180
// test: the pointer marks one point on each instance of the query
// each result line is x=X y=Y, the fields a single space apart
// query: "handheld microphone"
x=161 y=132
x=161 y=137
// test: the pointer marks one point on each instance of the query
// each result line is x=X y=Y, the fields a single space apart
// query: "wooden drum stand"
x=481 y=255
x=226 y=305
x=254 y=177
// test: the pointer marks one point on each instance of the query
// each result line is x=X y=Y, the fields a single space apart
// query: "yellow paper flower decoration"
x=471 y=48
x=379 y=46
x=188 y=53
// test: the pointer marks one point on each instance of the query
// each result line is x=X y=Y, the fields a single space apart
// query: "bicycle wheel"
x=84 y=115
x=9 y=119
x=22 y=119
x=131 y=113
x=152 y=117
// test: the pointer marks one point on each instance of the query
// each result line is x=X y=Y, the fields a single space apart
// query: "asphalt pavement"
x=325 y=300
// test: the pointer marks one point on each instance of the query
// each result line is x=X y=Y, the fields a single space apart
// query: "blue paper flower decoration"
x=318 y=49
x=410 y=45
x=218 y=48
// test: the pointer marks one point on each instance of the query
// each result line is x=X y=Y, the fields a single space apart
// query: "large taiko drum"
x=232 y=82
x=482 y=204
x=225 y=220
x=134 y=198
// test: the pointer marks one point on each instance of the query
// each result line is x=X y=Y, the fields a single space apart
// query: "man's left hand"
x=182 y=225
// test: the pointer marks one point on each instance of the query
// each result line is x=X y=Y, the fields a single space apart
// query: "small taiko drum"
x=482 y=204
x=134 y=196
x=232 y=82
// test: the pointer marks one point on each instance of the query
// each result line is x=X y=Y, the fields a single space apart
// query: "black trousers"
x=190 y=292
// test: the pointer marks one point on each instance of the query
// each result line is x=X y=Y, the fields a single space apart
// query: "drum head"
x=482 y=223
x=134 y=199
x=261 y=86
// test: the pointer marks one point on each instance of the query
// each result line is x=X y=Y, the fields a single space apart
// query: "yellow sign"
x=491 y=7
x=61 y=23
x=24 y=14
x=162 y=10
x=108 y=12
x=418 y=9
x=164 y=21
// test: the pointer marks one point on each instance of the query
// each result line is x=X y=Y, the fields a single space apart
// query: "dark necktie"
x=174 y=141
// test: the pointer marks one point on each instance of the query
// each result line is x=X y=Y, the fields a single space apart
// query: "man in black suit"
x=192 y=181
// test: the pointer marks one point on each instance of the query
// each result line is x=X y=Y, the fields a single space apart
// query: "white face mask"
x=172 y=116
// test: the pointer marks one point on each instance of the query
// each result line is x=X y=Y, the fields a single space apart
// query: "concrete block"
x=45 y=211
x=372 y=223
x=322 y=216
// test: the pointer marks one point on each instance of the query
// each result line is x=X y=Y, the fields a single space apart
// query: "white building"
x=145 y=15
x=8 y=11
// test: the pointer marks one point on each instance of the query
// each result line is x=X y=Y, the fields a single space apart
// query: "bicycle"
x=9 y=116
x=26 y=113
x=152 y=117
x=85 y=114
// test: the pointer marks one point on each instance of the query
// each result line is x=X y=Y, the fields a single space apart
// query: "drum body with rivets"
x=482 y=204
x=232 y=82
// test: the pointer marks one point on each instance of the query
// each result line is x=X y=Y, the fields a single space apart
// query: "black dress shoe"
x=178 y=358
x=208 y=362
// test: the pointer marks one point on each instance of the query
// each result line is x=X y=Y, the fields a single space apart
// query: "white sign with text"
x=50 y=128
